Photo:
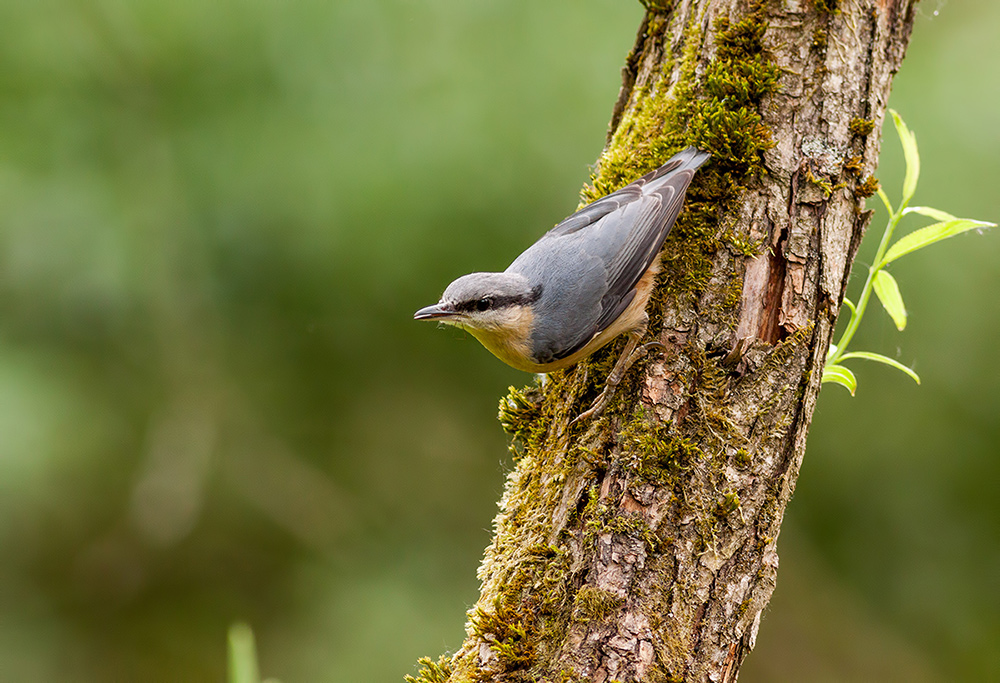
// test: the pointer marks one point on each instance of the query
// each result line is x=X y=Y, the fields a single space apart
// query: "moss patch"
x=657 y=456
x=658 y=6
x=742 y=459
x=853 y=165
x=861 y=127
x=822 y=183
x=519 y=415
x=728 y=503
x=521 y=623
x=600 y=519
x=820 y=38
x=594 y=604
x=431 y=671
x=867 y=187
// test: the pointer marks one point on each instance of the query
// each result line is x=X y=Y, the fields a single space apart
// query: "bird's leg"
x=625 y=361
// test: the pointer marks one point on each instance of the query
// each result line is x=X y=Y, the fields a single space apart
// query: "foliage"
x=879 y=279
x=243 y=666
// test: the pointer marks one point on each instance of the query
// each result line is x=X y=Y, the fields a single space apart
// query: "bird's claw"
x=596 y=407
x=614 y=378
x=654 y=345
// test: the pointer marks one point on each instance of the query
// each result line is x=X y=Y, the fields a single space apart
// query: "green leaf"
x=838 y=374
x=885 y=201
x=918 y=239
x=242 y=655
x=936 y=214
x=909 y=142
x=892 y=301
x=879 y=358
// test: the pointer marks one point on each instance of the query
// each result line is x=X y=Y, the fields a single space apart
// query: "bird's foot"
x=628 y=358
x=596 y=407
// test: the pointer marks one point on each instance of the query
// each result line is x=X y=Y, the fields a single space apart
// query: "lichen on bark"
x=641 y=545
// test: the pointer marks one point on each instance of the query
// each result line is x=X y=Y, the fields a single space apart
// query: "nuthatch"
x=585 y=282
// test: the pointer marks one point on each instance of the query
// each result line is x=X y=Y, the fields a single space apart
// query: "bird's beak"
x=435 y=312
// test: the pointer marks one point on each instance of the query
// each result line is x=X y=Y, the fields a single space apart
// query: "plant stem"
x=866 y=291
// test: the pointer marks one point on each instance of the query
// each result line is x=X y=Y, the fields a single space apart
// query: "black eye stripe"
x=499 y=301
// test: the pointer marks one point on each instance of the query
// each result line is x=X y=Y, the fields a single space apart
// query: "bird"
x=581 y=285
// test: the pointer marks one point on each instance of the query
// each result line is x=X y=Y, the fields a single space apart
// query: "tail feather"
x=690 y=158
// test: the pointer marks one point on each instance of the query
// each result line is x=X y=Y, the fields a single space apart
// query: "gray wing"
x=654 y=215
x=590 y=263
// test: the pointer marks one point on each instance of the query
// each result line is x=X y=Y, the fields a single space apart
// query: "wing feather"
x=604 y=249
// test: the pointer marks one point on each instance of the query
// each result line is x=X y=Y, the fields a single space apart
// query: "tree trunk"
x=641 y=545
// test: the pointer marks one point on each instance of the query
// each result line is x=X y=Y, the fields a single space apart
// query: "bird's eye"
x=484 y=304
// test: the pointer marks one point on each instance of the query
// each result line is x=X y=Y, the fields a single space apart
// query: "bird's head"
x=491 y=302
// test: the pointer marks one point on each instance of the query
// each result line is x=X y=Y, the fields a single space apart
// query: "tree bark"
x=641 y=545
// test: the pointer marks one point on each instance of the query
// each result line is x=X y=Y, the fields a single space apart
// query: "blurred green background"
x=217 y=219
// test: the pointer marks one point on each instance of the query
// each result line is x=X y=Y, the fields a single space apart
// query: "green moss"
x=594 y=604
x=742 y=459
x=595 y=516
x=826 y=6
x=509 y=637
x=528 y=414
x=598 y=519
x=519 y=415
x=712 y=380
x=656 y=456
x=724 y=308
x=634 y=526
x=727 y=504
x=523 y=618
x=529 y=603
x=861 y=126
x=658 y=6
x=867 y=187
x=431 y=671
x=782 y=352
x=743 y=607
x=820 y=38
x=742 y=245
x=823 y=184
x=853 y=165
